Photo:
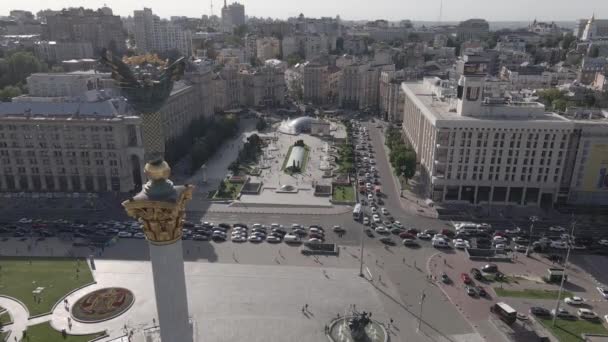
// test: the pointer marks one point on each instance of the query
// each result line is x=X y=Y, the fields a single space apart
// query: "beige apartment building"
x=69 y=147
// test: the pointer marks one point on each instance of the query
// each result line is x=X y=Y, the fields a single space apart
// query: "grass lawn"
x=45 y=333
x=570 y=331
x=531 y=293
x=232 y=190
x=58 y=277
x=3 y=335
x=344 y=193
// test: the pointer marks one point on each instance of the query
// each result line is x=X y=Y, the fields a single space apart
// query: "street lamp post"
x=561 y=286
x=422 y=297
x=361 y=256
x=532 y=220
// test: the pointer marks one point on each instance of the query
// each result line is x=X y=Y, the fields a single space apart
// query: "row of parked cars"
x=564 y=313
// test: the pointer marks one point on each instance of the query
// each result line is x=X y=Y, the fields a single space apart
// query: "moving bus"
x=505 y=312
x=357 y=212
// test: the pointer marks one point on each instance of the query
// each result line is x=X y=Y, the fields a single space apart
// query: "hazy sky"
x=493 y=10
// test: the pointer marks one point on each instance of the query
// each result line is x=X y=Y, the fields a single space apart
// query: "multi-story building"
x=391 y=95
x=227 y=89
x=530 y=76
x=473 y=29
x=544 y=29
x=153 y=34
x=233 y=16
x=289 y=46
x=590 y=67
x=69 y=85
x=315 y=82
x=101 y=28
x=231 y=56
x=595 y=29
x=474 y=149
x=69 y=147
x=360 y=85
x=265 y=86
x=268 y=48
x=52 y=52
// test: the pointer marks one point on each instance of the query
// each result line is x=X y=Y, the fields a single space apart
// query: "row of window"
x=60 y=171
x=68 y=145
x=61 y=183
x=55 y=128
x=59 y=161
x=46 y=153
x=512 y=177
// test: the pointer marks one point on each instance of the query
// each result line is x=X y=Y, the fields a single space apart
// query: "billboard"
x=596 y=169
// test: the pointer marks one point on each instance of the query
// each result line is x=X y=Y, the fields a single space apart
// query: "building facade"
x=233 y=16
x=315 y=83
x=52 y=52
x=69 y=147
x=267 y=48
x=153 y=34
x=101 y=28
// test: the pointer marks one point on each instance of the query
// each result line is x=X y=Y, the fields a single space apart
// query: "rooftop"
x=102 y=109
x=445 y=109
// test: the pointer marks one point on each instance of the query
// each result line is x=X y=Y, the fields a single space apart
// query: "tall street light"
x=532 y=220
x=561 y=286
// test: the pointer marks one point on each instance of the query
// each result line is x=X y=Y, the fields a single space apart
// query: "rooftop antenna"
x=440 y=10
x=211 y=9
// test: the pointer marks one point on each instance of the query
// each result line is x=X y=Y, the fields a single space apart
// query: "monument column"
x=160 y=207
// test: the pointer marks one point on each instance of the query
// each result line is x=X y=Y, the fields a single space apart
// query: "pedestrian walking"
x=444 y=262
x=306 y=307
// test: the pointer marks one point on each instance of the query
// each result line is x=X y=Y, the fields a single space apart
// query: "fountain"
x=357 y=327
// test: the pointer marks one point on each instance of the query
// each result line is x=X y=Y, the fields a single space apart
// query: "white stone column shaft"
x=171 y=293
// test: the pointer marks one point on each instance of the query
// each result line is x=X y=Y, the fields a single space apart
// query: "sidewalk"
x=410 y=202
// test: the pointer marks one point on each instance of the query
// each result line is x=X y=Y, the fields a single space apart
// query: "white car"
x=460 y=243
x=397 y=224
x=139 y=235
x=586 y=314
x=314 y=240
x=557 y=229
x=376 y=218
x=424 y=236
x=273 y=238
x=384 y=211
x=559 y=245
x=239 y=238
x=370 y=197
x=440 y=243
x=255 y=238
x=574 y=300
x=316 y=231
x=381 y=230
x=366 y=221
x=125 y=234
x=603 y=291
x=603 y=242
x=440 y=237
x=374 y=210
x=291 y=238
x=338 y=229
x=499 y=239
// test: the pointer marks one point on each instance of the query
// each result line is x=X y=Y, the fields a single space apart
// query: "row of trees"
x=249 y=153
x=558 y=100
x=401 y=157
x=210 y=138
x=346 y=152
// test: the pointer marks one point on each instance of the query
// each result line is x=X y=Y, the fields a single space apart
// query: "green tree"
x=567 y=41
x=8 y=92
x=221 y=188
x=559 y=105
x=294 y=59
x=234 y=167
x=15 y=68
x=594 y=52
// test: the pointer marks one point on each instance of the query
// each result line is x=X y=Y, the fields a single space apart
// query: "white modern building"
x=153 y=34
x=52 y=51
x=477 y=150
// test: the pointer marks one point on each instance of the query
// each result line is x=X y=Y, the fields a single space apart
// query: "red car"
x=412 y=231
x=447 y=233
x=500 y=234
x=406 y=235
x=465 y=278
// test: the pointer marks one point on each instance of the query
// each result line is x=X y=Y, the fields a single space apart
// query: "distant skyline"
x=393 y=10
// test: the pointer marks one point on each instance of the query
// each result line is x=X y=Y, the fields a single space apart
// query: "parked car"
x=424 y=236
x=440 y=243
x=562 y=313
x=476 y=273
x=574 y=300
x=558 y=229
x=586 y=314
x=481 y=291
x=470 y=290
x=445 y=278
x=465 y=278
x=381 y=230
x=387 y=241
x=338 y=229
x=291 y=238
x=540 y=311
x=369 y=233
x=409 y=242
x=603 y=291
